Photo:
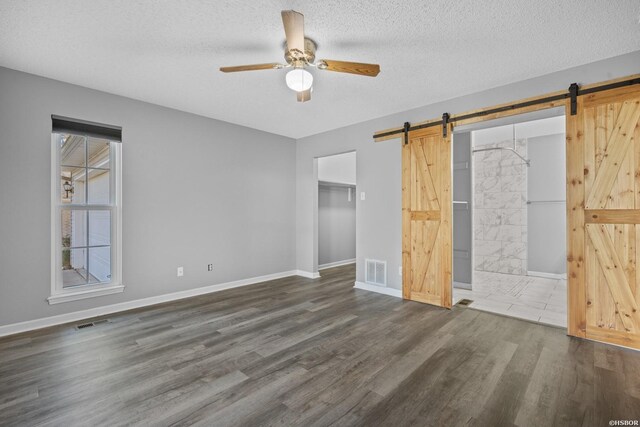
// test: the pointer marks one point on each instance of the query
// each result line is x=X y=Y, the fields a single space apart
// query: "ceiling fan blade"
x=359 y=68
x=294 y=29
x=253 y=67
x=304 y=96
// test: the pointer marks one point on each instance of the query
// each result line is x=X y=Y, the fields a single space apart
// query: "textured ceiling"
x=168 y=52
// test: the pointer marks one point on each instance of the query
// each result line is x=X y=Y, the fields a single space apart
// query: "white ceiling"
x=168 y=52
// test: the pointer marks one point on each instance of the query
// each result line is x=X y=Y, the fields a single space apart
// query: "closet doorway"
x=336 y=210
x=509 y=216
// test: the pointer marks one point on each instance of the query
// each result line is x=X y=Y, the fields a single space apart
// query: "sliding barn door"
x=426 y=217
x=603 y=195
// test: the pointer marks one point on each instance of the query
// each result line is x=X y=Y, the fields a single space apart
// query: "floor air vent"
x=84 y=325
x=375 y=272
x=464 y=302
x=94 y=323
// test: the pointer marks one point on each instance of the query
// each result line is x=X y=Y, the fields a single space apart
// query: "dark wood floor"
x=296 y=351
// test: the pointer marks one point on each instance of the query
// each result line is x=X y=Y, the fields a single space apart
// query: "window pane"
x=72 y=184
x=98 y=151
x=72 y=150
x=74 y=228
x=74 y=271
x=99 y=265
x=99 y=185
x=99 y=228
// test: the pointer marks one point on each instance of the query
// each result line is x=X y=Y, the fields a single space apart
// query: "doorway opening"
x=509 y=216
x=336 y=210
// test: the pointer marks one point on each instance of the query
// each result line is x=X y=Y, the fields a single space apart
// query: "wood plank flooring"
x=296 y=351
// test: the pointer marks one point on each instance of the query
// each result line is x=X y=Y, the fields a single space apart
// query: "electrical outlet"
x=180 y=271
x=209 y=267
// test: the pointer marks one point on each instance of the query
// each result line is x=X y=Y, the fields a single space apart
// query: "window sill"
x=78 y=294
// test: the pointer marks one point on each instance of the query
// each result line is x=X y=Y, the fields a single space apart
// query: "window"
x=86 y=210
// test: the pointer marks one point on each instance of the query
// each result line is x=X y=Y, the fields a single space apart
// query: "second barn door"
x=603 y=158
x=426 y=217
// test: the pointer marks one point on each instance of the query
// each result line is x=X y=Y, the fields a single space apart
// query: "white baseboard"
x=546 y=275
x=75 y=316
x=337 y=263
x=307 y=274
x=379 y=289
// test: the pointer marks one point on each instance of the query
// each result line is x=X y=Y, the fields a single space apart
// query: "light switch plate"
x=362 y=196
x=180 y=271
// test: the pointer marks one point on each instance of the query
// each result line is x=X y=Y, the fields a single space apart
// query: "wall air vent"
x=375 y=272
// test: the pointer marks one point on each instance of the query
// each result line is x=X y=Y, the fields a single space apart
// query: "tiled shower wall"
x=500 y=209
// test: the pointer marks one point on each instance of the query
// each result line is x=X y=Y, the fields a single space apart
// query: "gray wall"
x=336 y=224
x=378 y=174
x=547 y=221
x=462 y=192
x=195 y=191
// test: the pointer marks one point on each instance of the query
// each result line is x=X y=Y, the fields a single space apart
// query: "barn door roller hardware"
x=573 y=93
x=445 y=124
x=406 y=128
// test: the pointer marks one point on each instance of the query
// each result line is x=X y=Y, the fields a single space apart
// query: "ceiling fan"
x=299 y=53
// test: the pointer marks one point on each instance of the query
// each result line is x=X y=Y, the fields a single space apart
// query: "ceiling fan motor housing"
x=295 y=58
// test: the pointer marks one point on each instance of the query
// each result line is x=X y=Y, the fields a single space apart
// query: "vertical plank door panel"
x=426 y=217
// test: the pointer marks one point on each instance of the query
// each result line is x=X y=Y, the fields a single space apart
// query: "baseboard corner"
x=378 y=289
x=307 y=274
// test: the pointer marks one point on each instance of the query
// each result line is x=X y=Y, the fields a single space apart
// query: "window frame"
x=59 y=294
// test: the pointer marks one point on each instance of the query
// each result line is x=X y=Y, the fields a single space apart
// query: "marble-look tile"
x=509 y=266
x=554 y=319
x=488 y=248
x=478 y=233
x=510 y=233
x=509 y=158
x=525 y=312
x=544 y=298
x=499 y=214
x=489 y=305
x=514 y=250
x=490 y=232
x=487 y=169
x=488 y=184
x=503 y=200
x=488 y=216
x=556 y=308
x=490 y=156
x=478 y=262
x=492 y=200
x=478 y=217
x=491 y=263
x=517 y=169
x=519 y=296
x=513 y=217
x=514 y=183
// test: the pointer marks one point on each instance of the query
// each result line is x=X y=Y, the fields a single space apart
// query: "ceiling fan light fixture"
x=299 y=79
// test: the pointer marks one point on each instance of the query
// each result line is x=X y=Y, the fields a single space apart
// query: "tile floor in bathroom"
x=531 y=298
